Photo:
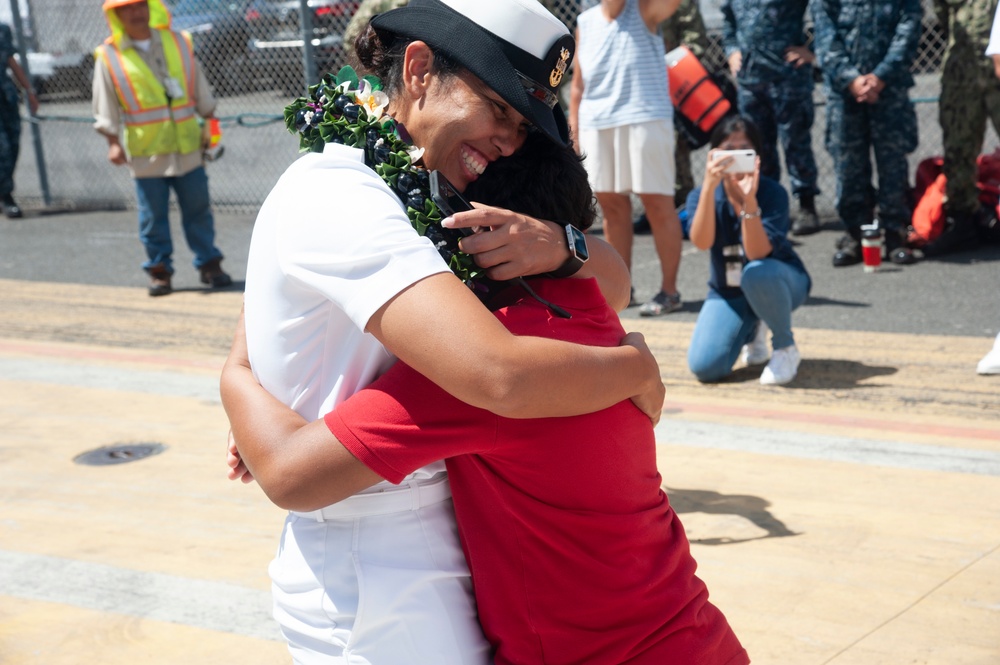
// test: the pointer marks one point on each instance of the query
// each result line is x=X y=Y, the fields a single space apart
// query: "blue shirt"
x=8 y=91
x=772 y=199
x=762 y=30
x=855 y=37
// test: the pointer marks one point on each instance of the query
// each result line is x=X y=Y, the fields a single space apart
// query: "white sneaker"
x=757 y=351
x=990 y=364
x=783 y=367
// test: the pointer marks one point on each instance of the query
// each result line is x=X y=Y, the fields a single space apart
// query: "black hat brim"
x=474 y=48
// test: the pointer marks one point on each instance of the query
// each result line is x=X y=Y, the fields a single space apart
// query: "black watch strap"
x=576 y=240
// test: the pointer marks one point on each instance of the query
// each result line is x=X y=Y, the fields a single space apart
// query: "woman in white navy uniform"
x=339 y=285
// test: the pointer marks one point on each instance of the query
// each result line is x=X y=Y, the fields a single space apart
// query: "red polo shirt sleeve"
x=403 y=421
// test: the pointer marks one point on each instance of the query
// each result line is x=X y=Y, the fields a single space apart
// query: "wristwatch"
x=576 y=240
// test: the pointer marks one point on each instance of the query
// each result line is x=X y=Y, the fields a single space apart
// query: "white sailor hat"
x=516 y=47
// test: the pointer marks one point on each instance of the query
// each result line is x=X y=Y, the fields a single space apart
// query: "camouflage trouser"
x=10 y=140
x=783 y=110
x=969 y=95
x=684 y=179
x=853 y=131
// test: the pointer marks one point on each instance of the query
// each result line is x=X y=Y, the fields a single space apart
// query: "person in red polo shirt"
x=576 y=555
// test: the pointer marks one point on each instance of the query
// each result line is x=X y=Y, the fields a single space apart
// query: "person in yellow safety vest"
x=147 y=81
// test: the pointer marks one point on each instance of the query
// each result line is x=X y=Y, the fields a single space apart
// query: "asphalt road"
x=955 y=295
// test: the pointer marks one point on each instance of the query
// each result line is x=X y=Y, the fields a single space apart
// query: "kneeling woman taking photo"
x=756 y=278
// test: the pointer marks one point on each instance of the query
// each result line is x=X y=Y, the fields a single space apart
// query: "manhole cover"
x=119 y=454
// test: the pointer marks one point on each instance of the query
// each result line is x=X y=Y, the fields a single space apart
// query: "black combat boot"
x=959 y=233
x=848 y=249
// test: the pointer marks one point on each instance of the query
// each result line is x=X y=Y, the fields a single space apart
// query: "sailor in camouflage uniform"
x=970 y=93
x=865 y=49
x=10 y=119
x=764 y=41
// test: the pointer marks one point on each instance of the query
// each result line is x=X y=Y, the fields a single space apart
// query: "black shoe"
x=11 y=209
x=159 y=281
x=807 y=221
x=212 y=274
x=959 y=233
x=848 y=252
x=896 y=250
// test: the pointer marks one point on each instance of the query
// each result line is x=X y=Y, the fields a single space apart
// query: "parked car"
x=221 y=35
x=61 y=77
x=276 y=43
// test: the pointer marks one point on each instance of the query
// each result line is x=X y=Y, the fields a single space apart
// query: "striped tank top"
x=624 y=72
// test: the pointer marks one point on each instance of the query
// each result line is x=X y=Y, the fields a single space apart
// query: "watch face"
x=577 y=242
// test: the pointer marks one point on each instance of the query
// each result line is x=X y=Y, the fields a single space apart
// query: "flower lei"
x=348 y=110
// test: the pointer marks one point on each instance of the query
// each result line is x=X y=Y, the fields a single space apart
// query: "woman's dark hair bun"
x=369 y=49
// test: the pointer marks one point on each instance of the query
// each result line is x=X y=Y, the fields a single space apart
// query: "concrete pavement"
x=849 y=518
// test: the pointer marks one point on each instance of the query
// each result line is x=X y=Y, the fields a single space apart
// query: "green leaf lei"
x=348 y=110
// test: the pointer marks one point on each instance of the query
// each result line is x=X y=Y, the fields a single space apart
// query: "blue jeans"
x=196 y=218
x=771 y=290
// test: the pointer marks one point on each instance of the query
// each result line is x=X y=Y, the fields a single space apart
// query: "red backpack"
x=928 y=219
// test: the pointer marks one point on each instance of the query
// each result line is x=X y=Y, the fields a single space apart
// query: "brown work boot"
x=159 y=281
x=213 y=275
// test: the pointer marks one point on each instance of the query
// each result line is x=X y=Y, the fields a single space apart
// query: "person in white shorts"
x=622 y=120
x=339 y=284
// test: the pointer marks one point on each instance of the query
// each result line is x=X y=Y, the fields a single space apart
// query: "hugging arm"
x=439 y=328
x=299 y=465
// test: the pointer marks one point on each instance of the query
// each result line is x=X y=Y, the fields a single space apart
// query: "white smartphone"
x=743 y=160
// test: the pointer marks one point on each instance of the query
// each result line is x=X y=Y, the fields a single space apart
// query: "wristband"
x=576 y=240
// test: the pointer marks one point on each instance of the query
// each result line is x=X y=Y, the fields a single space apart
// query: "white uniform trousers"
x=354 y=586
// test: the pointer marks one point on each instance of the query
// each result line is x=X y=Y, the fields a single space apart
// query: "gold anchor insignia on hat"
x=556 y=77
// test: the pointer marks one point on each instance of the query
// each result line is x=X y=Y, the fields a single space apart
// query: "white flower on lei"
x=415 y=153
x=373 y=101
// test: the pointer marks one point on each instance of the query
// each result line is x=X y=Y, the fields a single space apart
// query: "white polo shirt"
x=330 y=246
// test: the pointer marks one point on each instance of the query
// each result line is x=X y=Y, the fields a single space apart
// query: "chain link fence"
x=252 y=53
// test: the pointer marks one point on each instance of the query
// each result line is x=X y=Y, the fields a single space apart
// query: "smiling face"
x=461 y=124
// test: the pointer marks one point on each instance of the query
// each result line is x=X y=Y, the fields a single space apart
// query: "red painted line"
x=107 y=355
x=838 y=421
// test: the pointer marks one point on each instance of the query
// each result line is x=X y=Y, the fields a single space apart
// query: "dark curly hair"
x=381 y=53
x=543 y=180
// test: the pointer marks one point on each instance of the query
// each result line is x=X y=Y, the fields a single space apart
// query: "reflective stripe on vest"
x=155 y=125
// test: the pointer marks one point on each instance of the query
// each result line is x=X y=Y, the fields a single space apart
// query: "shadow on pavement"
x=980 y=254
x=819 y=374
x=831 y=374
x=813 y=301
x=752 y=508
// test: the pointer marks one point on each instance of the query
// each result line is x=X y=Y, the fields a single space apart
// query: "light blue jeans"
x=772 y=289
x=196 y=218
